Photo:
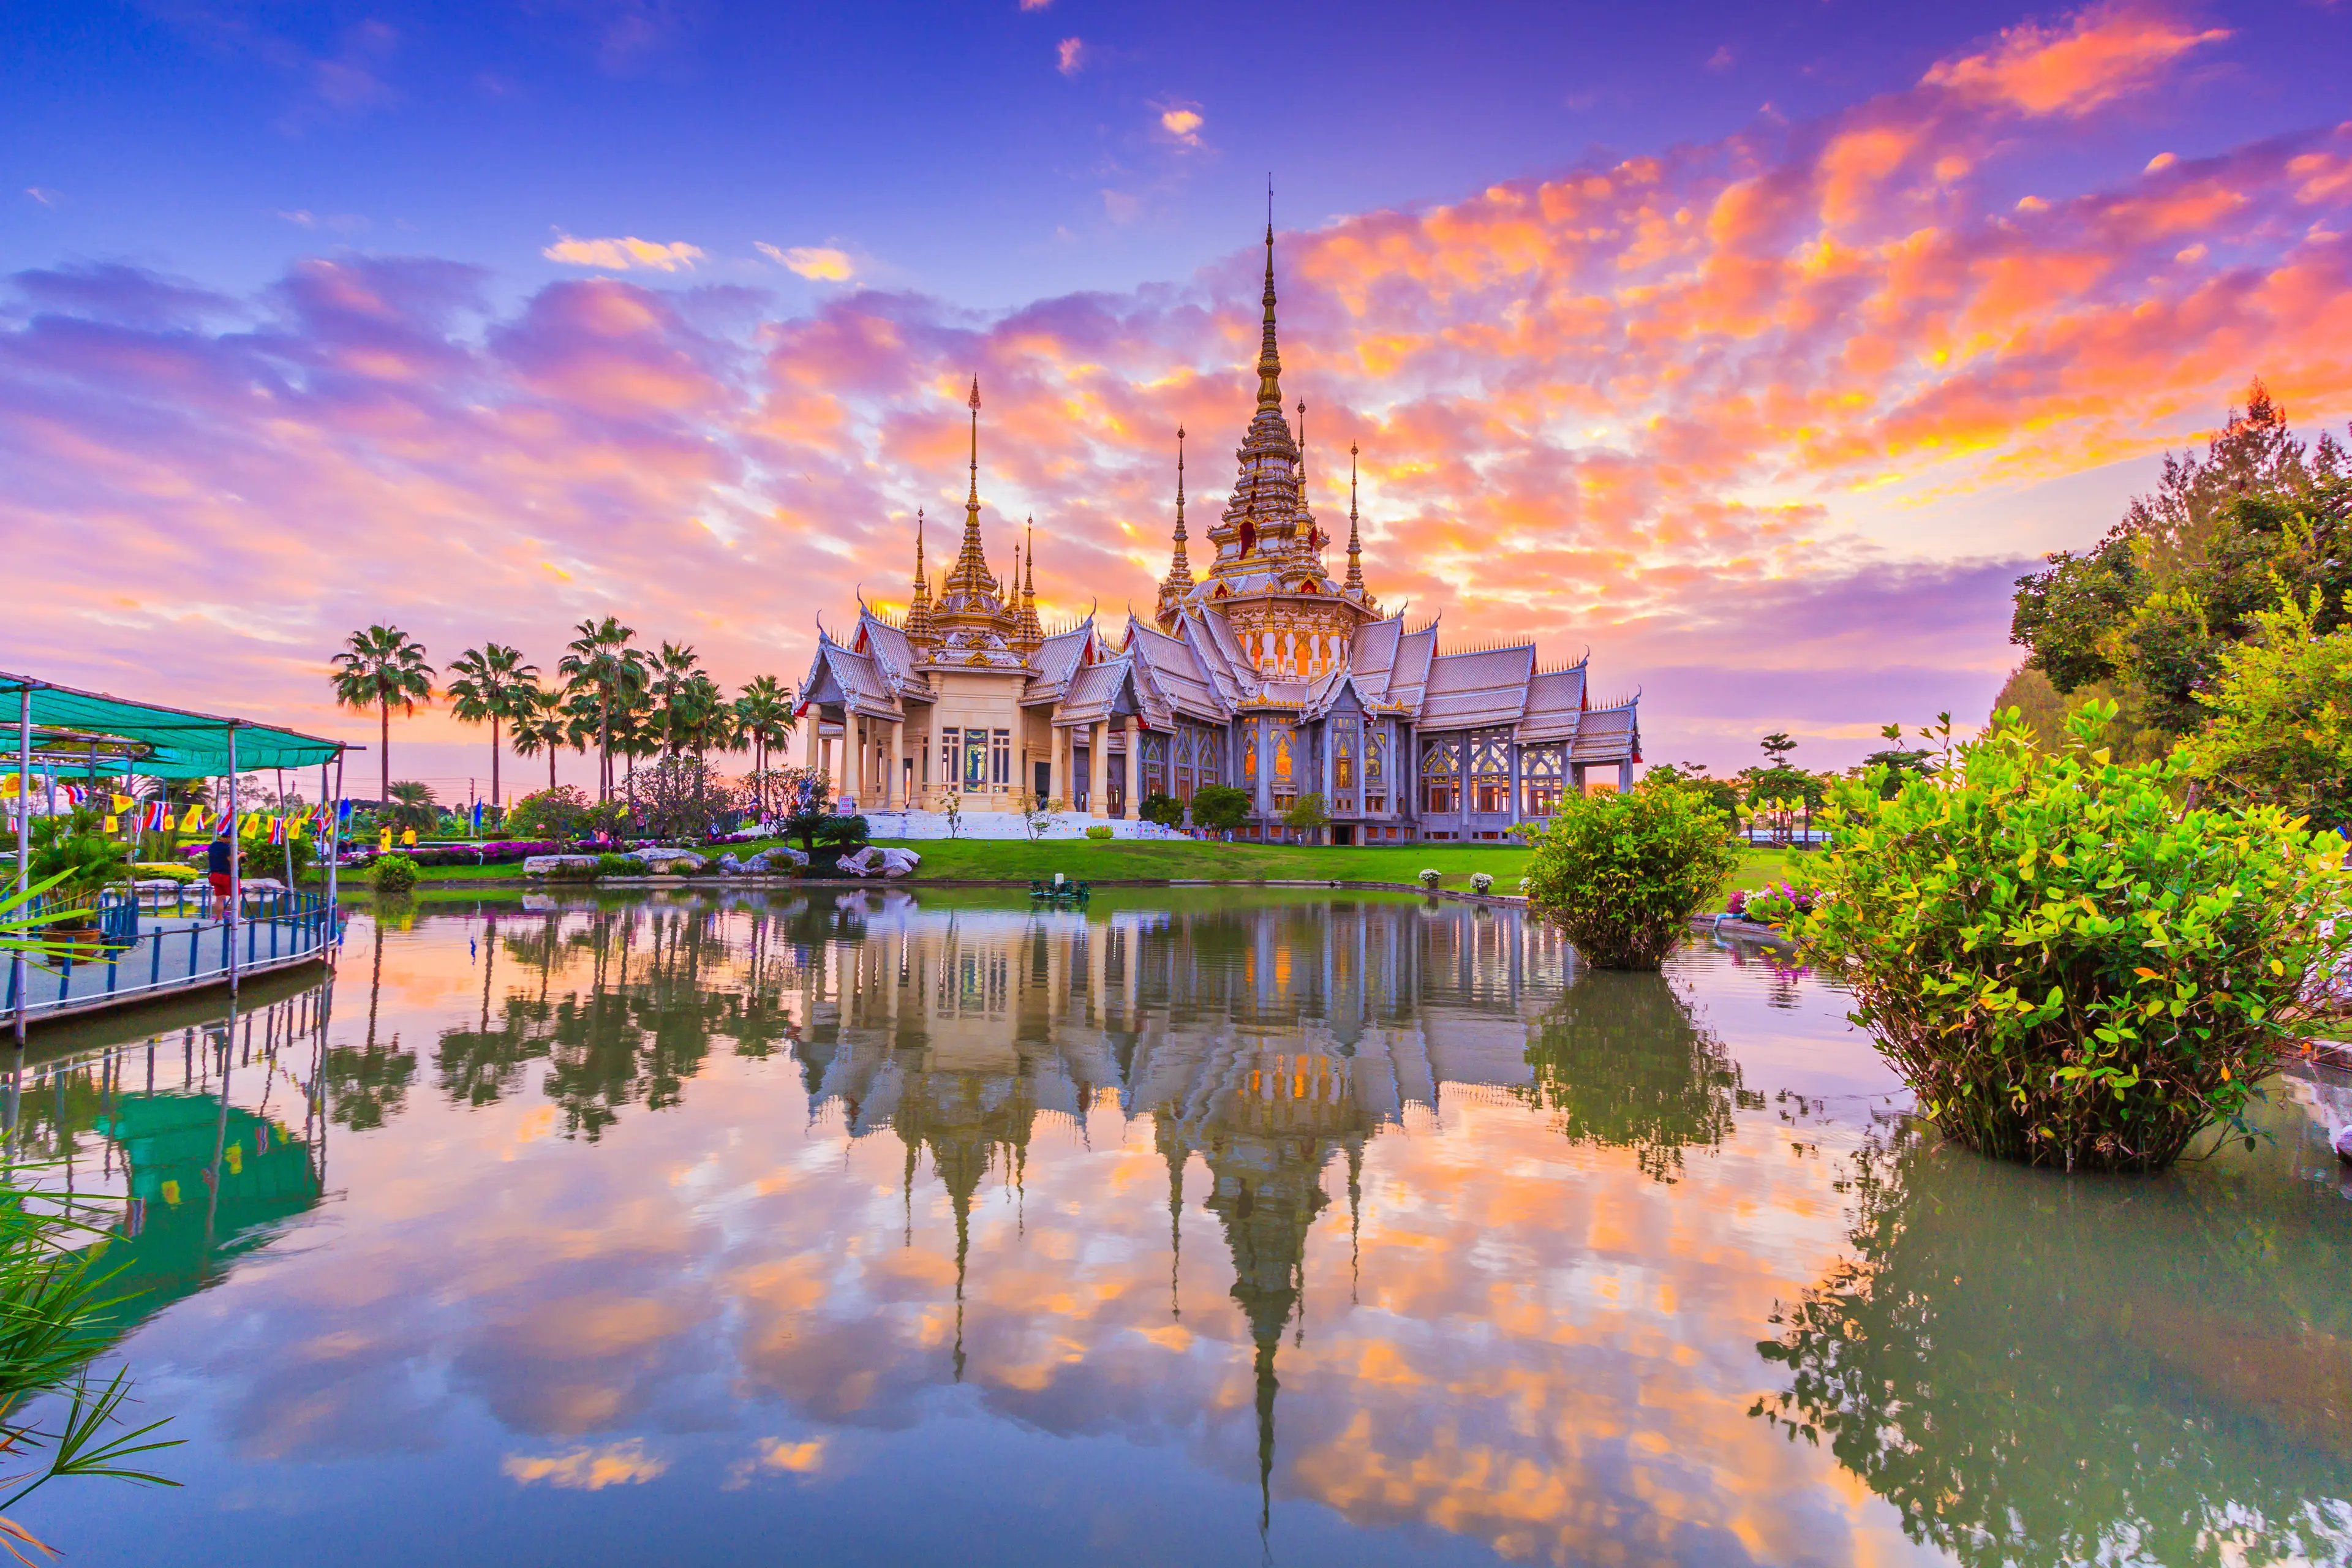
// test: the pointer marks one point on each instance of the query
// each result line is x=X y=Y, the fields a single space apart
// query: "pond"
x=1194 y=1227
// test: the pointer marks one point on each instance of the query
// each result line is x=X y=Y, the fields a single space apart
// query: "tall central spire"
x=970 y=592
x=1355 y=583
x=1269 y=358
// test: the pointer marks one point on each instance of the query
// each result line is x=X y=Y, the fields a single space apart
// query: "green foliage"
x=1720 y=793
x=1623 y=871
x=2066 y=964
x=1161 y=808
x=1099 y=831
x=1036 y=815
x=559 y=814
x=382 y=669
x=393 y=874
x=1619 y=1063
x=2153 y=609
x=71 y=852
x=2281 y=730
x=2130 y=739
x=681 y=798
x=1220 y=808
x=51 y=1301
x=621 y=865
x=411 y=806
x=842 y=833
x=1306 y=813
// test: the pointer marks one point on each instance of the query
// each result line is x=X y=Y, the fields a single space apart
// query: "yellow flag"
x=122 y=802
x=112 y=824
x=167 y=825
x=408 y=836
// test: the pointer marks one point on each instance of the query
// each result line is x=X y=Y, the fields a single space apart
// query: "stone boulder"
x=671 y=862
x=874 y=860
x=541 y=865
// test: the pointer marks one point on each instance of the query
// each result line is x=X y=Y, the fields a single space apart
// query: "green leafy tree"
x=494 y=685
x=1220 y=808
x=2066 y=965
x=1161 y=808
x=558 y=814
x=2150 y=611
x=2281 y=731
x=1306 y=815
x=1720 y=793
x=1623 y=871
x=606 y=674
x=383 y=668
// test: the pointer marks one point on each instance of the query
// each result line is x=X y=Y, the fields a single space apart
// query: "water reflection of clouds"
x=1365 y=1200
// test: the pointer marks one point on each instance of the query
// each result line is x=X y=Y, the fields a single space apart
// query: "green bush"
x=620 y=866
x=1099 y=831
x=1220 y=808
x=1623 y=871
x=393 y=874
x=576 y=871
x=1163 y=809
x=556 y=814
x=2066 y=964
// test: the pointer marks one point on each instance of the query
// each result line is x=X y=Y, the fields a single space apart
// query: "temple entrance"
x=1343 y=832
x=1082 y=772
x=1115 y=787
x=1042 y=782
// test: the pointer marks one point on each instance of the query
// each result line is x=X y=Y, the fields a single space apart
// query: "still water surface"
x=1188 y=1229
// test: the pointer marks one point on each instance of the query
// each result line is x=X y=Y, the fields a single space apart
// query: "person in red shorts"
x=216 y=864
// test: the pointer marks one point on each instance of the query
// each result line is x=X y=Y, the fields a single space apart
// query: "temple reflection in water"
x=1267 y=1047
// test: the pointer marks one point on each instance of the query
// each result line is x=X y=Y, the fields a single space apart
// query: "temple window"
x=975 y=759
x=1540 y=774
x=1441 y=775
x=1000 y=757
x=1343 y=757
x=1490 y=770
x=951 y=756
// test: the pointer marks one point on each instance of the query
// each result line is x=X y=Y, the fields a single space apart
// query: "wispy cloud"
x=1069 y=56
x=819 y=263
x=623 y=255
x=42 y=194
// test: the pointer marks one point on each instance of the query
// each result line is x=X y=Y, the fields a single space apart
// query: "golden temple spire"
x=973 y=501
x=1180 y=569
x=1355 y=583
x=1031 y=632
x=918 y=602
x=1269 y=358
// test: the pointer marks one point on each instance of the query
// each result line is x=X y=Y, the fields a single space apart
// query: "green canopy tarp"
x=162 y=742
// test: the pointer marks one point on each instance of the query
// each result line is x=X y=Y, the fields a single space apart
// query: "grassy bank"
x=1188 y=860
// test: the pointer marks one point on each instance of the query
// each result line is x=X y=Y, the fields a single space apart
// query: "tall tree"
x=671 y=685
x=493 y=684
x=763 y=717
x=599 y=665
x=541 y=725
x=383 y=668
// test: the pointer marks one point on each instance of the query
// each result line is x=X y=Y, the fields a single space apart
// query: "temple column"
x=1625 y=773
x=825 y=763
x=1058 y=766
x=1516 y=804
x=894 y=788
x=1097 y=769
x=1134 y=785
x=1576 y=777
x=816 y=717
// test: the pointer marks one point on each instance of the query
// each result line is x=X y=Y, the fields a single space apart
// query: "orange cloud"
x=2099 y=54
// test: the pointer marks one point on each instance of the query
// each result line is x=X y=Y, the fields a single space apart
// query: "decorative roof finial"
x=919 y=604
x=1269 y=358
x=973 y=501
x=1355 y=583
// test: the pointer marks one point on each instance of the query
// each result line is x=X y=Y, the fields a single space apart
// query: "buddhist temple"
x=1262 y=671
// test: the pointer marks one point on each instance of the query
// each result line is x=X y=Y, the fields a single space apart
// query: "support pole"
x=23 y=842
x=235 y=863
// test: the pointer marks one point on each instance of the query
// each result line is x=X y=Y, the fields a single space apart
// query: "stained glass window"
x=1441 y=775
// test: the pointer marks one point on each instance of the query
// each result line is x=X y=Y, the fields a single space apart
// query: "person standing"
x=216 y=864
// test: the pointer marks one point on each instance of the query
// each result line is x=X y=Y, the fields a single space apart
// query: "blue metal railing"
x=277 y=926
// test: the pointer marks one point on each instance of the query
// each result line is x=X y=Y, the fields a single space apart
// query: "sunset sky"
x=1756 y=350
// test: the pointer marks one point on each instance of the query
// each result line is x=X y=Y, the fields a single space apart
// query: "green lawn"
x=1018 y=860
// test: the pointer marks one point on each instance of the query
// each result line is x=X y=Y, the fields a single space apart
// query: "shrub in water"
x=1623 y=871
x=2067 y=964
x=393 y=874
x=1100 y=830
x=1429 y=878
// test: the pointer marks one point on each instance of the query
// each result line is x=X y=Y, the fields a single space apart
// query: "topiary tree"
x=1220 y=808
x=1306 y=815
x=2066 y=964
x=393 y=874
x=1623 y=871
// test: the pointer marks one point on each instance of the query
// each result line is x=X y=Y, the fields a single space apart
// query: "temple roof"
x=1469 y=690
x=1608 y=734
x=1555 y=705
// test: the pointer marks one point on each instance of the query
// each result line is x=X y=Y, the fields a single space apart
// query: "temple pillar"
x=894 y=787
x=1134 y=784
x=1097 y=769
x=809 y=738
x=824 y=765
x=1057 y=765
x=1625 y=774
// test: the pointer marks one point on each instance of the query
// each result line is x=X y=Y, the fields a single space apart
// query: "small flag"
x=113 y=825
x=277 y=831
x=122 y=803
x=343 y=811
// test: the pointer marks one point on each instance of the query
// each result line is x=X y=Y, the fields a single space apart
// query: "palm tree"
x=377 y=668
x=413 y=806
x=493 y=683
x=672 y=689
x=763 y=717
x=600 y=664
x=541 y=725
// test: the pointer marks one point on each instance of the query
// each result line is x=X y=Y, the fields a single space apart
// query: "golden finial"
x=1355 y=583
x=1269 y=358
